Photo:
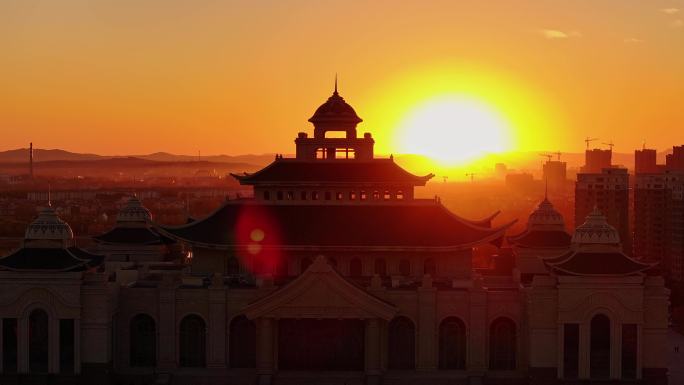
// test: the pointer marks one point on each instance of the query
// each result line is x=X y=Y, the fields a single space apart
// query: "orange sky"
x=233 y=77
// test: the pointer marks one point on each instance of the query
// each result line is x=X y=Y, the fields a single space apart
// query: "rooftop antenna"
x=49 y=195
x=31 y=160
x=558 y=154
x=546 y=188
x=199 y=155
x=643 y=144
x=588 y=140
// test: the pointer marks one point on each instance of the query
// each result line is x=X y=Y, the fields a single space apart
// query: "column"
x=584 y=351
x=265 y=361
x=477 y=336
x=77 y=346
x=217 y=324
x=53 y=345
x=615 y=350
x=373 y=364
x=22 y=345
x=426 y=341
x=167 y=327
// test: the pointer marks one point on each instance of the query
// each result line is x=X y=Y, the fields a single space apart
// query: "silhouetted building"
x=521 y=183
x=645 y=161
x=609 y=192
x=545 y=236
x=555 y=174
x=596 y=160
x=675 y=161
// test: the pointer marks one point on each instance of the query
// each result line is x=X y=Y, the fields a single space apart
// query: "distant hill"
x=21 y=155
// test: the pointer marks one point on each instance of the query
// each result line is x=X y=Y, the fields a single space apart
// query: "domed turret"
x=48 y=227
x=335 y=115
x=134 y=212
x=546 y=216
x=596 y=231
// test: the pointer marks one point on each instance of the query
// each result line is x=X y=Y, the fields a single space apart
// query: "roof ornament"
x=49 y=195
x=335 y=93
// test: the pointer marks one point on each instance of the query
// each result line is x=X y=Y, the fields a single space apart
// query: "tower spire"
x=335 y=93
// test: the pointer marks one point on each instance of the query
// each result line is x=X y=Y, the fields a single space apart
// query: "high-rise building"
x=555 y=174
x=596 y=160
x=607 y=190
x=645 y=161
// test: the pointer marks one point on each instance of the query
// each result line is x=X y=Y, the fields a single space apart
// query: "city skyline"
x=184 y=77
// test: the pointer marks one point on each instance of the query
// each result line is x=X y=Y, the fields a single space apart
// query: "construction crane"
x=588 y=140
x=472 y=176
x=610 y=144
x=548 y=156
x=444 y=178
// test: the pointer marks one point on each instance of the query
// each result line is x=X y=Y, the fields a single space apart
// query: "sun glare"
x=454 y=130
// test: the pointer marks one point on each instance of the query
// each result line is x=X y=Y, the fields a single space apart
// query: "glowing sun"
x=454 y=130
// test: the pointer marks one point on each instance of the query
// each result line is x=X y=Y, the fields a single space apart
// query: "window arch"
x=429 y=267
x=304 y=264
x=599 y=357
x=242 y=343
x=452 y=344
x=143 y=341
x=502 y=344
x=38 y=341
x=401 y=344
x=405 y=267
x=355 y=268
x=192 y=349
x=380 y=267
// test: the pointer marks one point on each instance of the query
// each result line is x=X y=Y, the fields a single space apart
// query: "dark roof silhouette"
x=603 y=263
x=541 y=239
x=132 y=235
x=69 y=259
x=379 y=171
x=337 y=226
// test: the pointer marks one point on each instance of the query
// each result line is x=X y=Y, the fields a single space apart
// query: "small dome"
x=596 y=230
x=335 y=110
x=48 y=226
x=545 y=215
x=134 y=211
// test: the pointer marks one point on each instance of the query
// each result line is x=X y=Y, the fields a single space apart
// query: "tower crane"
x=472 y=176
x=610 y=144
x=548 y=156
x=588 y=140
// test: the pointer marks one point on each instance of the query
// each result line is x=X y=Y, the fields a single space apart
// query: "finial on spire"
x=546 y=188
x=49 y=195
x=335 y=93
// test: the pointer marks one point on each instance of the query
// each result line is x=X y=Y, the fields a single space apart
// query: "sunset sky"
x=236 y=77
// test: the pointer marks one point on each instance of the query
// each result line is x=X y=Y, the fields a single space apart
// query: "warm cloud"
x=633 y=40
x=670 y=11
x=554 y=34
x=677 y=24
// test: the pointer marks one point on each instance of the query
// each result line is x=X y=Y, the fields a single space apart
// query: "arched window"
x=401 y=344
x=192 y=345
x=242 y=343
x=429 y=267
x=38 y=341
x=599 y=357
x=400 y=195
x=405 y=267
x=380 y=267
x=376 y=195
x=304 y=264
x=452 y=344
x=355 y=268
x=386 y=196
x=143 y=341
x=502 y=344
